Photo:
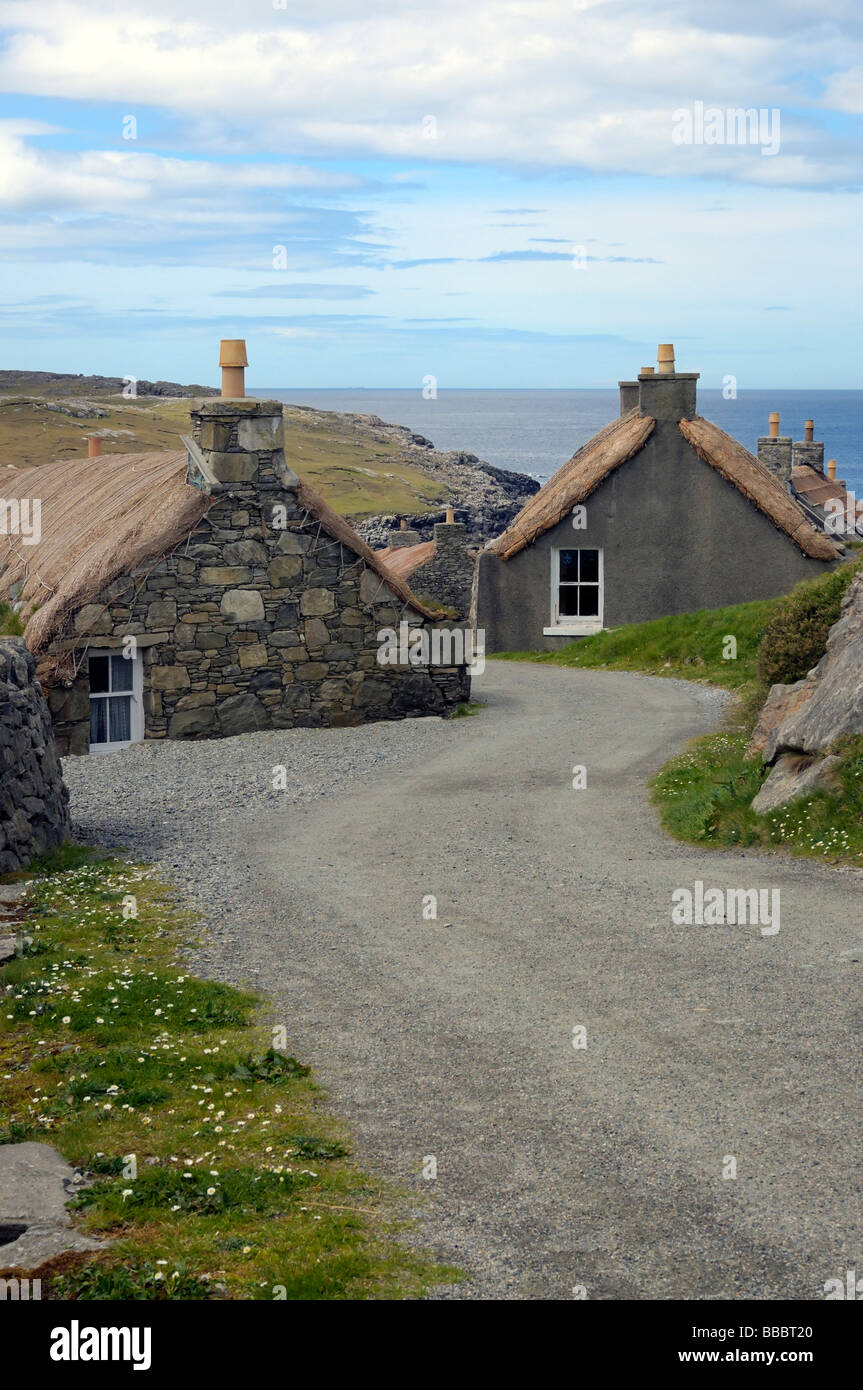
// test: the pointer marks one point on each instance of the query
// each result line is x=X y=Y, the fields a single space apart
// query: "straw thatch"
x=757 y=484
x=105 y=517
x=100 y=518
x=575 y=481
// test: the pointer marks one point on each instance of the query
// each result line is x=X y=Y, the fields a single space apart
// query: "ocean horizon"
x=535 y=431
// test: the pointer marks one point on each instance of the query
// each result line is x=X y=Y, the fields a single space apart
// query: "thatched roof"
x=575 y=481
x=621 y=440
x=757 y=484
x=103 y=517
x=100 y=518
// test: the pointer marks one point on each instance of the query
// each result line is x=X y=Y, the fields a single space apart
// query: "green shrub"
x=795 y=638
x=10 y=623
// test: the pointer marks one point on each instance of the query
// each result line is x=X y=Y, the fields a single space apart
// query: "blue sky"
x=494 y=194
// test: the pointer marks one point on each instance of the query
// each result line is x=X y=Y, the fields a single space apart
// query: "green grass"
x=704 y=796
x=688 y=646
x=217 y=1169
x=10 y=624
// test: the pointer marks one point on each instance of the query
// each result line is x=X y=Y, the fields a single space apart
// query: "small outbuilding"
x=661 y=512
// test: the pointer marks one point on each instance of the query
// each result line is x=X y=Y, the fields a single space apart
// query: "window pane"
x=98 y=731
x=98 y=674
x=588 y=601
x=121 y=673
x=568 y=601
x=589 y=567
x=569 y=565
x=120 y=718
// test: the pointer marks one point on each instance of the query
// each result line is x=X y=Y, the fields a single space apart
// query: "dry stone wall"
x=34 y=815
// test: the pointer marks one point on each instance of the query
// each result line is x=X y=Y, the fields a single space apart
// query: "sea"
x=535 y=432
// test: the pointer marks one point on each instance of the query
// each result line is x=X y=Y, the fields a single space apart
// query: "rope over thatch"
x=575 y=481
x=757 y=484
x=100 y=518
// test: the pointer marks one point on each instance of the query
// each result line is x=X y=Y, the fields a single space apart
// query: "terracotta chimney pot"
x=774 y=424
x=831 y=469
x=809 y=428
x=94 y=446
x=665 y=357
x=450 y=516
x=233 y=361
x=647 y=371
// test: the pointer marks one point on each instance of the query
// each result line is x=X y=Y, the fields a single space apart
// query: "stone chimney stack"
x=241 y=440
x=774 y=450
x=808 y=451
x=667 y=394
x=403 y=536
x=628 y=396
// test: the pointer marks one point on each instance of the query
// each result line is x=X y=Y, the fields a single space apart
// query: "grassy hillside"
x=358 y=474
x=689 y=646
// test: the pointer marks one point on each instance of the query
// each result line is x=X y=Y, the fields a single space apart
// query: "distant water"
x=536 y=431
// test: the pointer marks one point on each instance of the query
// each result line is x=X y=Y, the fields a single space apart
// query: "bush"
x=795 y=638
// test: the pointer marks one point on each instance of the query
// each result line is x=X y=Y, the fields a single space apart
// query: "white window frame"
x=136 y=695
x=573 y=626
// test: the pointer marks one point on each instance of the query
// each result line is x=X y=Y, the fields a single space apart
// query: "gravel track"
x=556 y=1166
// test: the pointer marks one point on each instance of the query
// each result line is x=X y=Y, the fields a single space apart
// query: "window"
x=116 y=717
x=576 y=591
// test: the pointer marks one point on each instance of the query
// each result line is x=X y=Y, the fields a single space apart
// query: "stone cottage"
x=799 y=466
x=661 y=512
x=439 y=570
x=208 y=591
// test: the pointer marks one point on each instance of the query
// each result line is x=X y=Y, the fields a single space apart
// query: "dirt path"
x=557 y=1166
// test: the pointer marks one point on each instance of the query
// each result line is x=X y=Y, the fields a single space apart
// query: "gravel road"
x=558 y=1167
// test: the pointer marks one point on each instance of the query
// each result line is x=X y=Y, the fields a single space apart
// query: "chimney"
x=403 y=536
x=628 y=396
x=450 y=538
x=774 y=450
x=807 y=451
x=241 y=440
x=667 y=394
x=831 y=470
x=233 y=362
x=94 y=446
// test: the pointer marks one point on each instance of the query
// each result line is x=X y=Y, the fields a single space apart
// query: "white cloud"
x=545 y=83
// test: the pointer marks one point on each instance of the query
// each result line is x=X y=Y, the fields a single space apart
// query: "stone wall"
x=448 y=577
x=261 y=619
x=34 y=816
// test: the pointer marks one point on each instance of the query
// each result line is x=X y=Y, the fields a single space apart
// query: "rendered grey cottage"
x=208 y=591
x=661 y=512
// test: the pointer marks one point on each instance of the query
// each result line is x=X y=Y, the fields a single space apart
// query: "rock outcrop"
x=800 y=723
x=34 y=814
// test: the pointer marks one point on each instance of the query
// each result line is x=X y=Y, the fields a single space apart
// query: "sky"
x=519 y=193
